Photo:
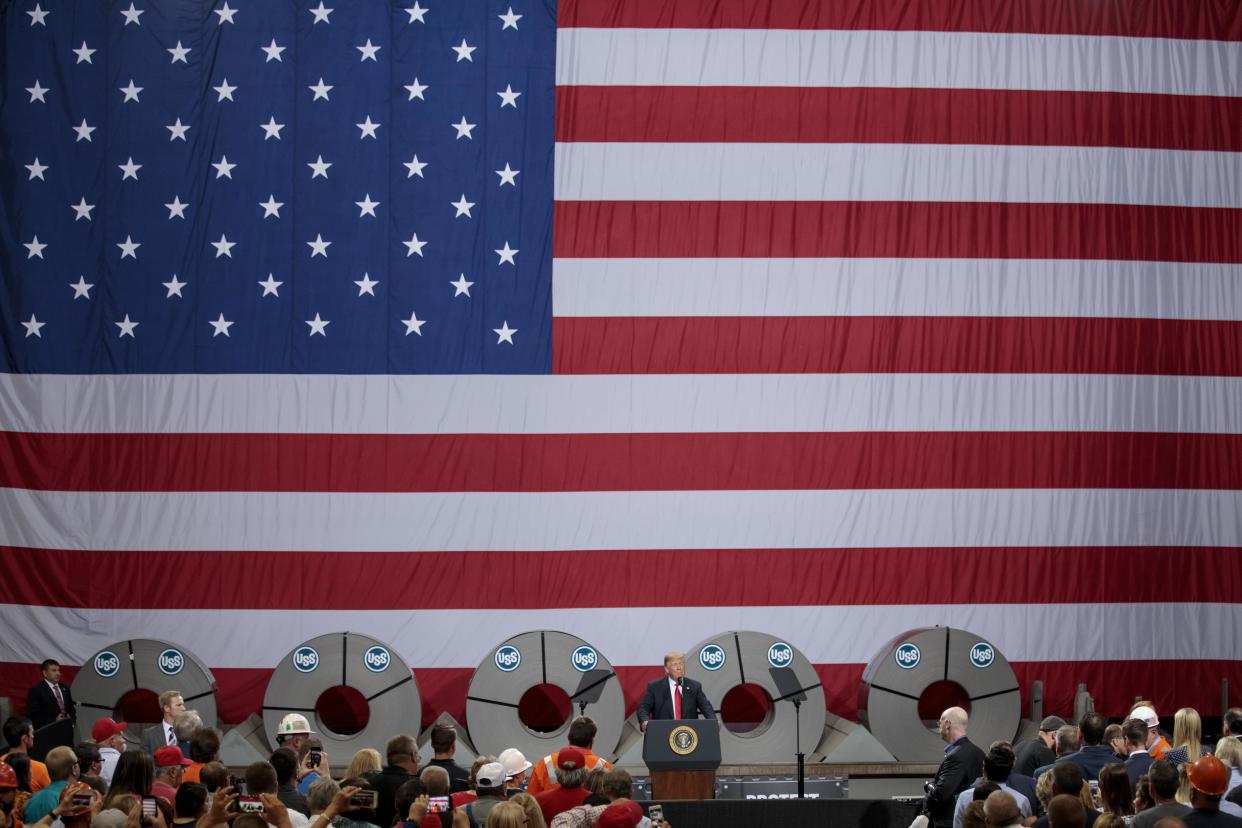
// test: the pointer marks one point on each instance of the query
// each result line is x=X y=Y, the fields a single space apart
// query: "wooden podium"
x=682 y=756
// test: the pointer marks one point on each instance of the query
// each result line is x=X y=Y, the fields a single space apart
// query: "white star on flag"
x=220 y=325
x=464 y=52
x=321 y=90
x=127 y=328
x=321 y=14
x=131 y=92
x=461 y=286
x=84 y=132
x=82 y=209
x=178 y=130
x=174 y=287
x=416 y=90
x=507 y=254
x=273 y=52
x=37 y=92
x=414 y=246
x=367 y=206
x=366 y=284
x=463 y=207
x=224 y=91
x=38 y=16
x=270 y=286
x=504 y=333
x=226 y=14
x=508 y=176
x=416 y=13
x=224 y=247
x=34 y=248
x=463 y=129
x=368 y=51
x=271 y=129
x=415 y=167
x=319 y=167
x=129 y=169
x=33 y=327
x=84 y=53
x=414 y=325
x=223 y=168
x=271 y=207
x=178 y=53
x=129 y=248
x=176 y=208
x=81 y=288
x=510 y=19
x=37 y=170
x=319 y=247
x=132 y=14
x=317 y=326
x=508 y=97
x=368 y=128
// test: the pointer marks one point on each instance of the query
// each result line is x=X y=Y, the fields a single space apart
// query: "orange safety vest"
x=543 y=774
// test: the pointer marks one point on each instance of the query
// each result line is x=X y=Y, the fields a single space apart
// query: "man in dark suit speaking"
x=50 y=700
x=674 y=696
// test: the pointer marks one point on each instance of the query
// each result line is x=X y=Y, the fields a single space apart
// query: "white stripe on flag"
x=343 y=404
x=949 y=60
x=589 y=171
x=640 y=635
x=536 y=521
x=896 y=287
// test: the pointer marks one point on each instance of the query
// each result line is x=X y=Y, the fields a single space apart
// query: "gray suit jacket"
x=153 y=740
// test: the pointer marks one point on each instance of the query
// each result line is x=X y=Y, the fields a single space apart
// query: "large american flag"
x=635 y=319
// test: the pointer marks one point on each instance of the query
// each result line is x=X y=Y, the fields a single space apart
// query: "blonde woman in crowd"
x=1229 y=751
x=534 y=814
x=1187 y=737
x=364 y=762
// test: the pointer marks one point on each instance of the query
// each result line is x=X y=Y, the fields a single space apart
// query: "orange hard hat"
x=1209 y=775
x=8 y=776
x=67 y=794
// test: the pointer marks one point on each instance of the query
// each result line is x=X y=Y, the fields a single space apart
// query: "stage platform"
x=789 y=813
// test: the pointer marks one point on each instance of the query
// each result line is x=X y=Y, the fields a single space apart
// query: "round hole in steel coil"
x=544 y=708
x=138 y=705
x=746 y=710
x=938 y=697
x=343 y=710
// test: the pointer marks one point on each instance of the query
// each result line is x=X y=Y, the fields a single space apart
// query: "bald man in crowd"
x=962 y=764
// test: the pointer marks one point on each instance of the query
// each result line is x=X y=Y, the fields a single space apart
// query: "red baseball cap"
x=625 y=814
x=106 y=728
x=170 y=755
x=570 y=758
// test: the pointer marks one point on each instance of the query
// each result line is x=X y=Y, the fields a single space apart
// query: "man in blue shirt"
x=62 y=766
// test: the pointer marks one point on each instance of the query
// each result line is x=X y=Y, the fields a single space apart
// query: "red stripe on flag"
x=171 y=580
x=1113 y=684
x=902 y=116
x=618 y=462
x=1152 y=18
x=888 y=229
x=892 y=344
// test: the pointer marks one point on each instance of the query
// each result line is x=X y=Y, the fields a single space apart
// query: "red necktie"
x=59 y=699
x=677 y=702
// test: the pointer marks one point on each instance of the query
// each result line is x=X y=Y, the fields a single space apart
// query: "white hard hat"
x=514 y=761
x=293 y=724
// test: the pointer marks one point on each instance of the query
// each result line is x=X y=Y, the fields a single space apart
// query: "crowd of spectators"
x=1097 y=775
x=174 y=777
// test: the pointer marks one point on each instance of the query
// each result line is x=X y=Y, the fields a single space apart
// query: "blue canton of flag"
x=267 y=187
